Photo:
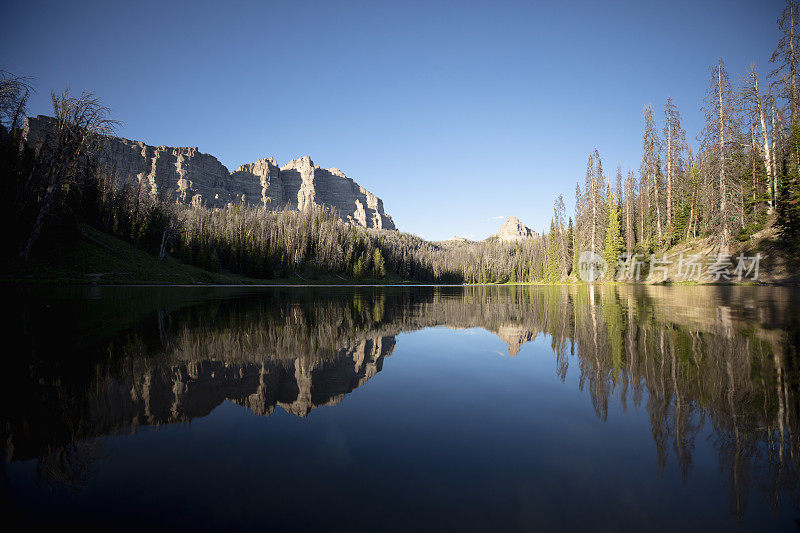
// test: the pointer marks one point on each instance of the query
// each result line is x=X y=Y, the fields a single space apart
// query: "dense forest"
x=743 y=173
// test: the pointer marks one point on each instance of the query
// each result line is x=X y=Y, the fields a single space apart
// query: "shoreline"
x=306 y=284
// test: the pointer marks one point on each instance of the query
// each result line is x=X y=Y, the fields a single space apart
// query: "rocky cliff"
x=192 y=177
x=513 y=230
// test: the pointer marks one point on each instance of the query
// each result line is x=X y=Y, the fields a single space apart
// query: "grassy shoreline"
x=97 y=258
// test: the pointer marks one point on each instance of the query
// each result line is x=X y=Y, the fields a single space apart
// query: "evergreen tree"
x=571 y=244
x=378 y=265
x=789 y=195
x=614 y=243
x=552 y=266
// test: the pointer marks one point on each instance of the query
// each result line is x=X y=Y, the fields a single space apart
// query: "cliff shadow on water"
x=91 y=362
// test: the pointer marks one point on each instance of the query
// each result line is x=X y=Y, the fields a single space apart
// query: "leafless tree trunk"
x=775 y=134
x=785 y=55
x=754 y=152
x=755 y=103
x=721 y=130
x=722 y=190
x=66 y=153
x=594 y=208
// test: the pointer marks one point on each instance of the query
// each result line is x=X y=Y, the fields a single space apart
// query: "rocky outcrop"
x=192 y=177
x=514 y=230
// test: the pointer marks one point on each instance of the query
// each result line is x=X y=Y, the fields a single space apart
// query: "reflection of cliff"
x=515 y=336
x=176 y=392
x=699 y=360
x=142 y=391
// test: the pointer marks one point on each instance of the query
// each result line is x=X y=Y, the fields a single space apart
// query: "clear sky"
x=456 y=114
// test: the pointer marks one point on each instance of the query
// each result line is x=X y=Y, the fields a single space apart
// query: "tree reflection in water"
x=724 y=358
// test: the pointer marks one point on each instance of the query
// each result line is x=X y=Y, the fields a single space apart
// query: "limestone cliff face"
x=260 y=182
x=192 y=177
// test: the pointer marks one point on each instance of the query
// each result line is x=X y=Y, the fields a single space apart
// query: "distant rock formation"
x=193 y=177
x=455 y=239
x=514 y=230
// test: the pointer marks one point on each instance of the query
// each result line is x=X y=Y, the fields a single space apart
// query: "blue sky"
x=455 y=113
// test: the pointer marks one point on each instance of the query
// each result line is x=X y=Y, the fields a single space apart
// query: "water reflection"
x=724 y=358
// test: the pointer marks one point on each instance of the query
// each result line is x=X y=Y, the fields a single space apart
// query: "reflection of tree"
x=709 y=365
x=689 y=355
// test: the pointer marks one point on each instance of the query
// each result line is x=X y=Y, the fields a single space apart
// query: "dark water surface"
x=403 y=408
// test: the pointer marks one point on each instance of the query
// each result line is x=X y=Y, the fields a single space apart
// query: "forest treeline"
x=51 y=188
x=744 y=172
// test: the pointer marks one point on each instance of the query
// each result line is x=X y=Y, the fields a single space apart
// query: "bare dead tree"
x=65 y=155
x=14 y=92
x=718 y=137
x=754 y=106
x=590 y=223
x=649 y=167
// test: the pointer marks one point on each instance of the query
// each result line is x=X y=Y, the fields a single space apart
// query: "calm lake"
x=397 y=408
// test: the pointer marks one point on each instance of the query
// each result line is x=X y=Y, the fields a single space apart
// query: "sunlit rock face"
x=514 y=230
x=193 y=177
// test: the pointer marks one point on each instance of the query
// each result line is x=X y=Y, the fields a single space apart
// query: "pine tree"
x=552 y=265
x=590 y=206
x=675 y=141
x=629 y=211
x=789 y=196
x=719 y=137
x=570 y=243
x=650 y=168
x=786 y=56
x=378 y=265
x=693 y=182
x=614 y=243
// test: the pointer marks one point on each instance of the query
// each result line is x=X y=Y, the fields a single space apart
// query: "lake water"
x=397 y=408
